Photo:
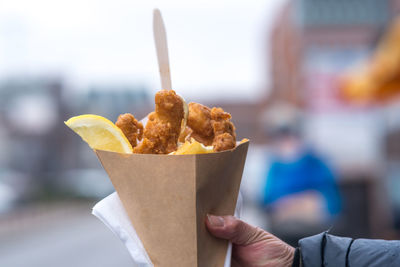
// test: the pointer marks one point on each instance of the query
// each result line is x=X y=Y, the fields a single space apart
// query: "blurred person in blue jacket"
x=300 y=186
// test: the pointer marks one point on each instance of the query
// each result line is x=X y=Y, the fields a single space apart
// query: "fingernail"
x=216 y=221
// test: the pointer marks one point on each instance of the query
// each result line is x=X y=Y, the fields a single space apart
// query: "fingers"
x=234 y=230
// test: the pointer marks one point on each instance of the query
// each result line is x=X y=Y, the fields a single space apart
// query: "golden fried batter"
x=224 y=130
x=164 y=125
x=199 y=121
x=221 y=122
x=223 y=142
x=210 y=127
x=132 y=129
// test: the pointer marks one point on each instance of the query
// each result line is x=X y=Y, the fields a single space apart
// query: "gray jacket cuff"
x=328 y=250
x=324 y=248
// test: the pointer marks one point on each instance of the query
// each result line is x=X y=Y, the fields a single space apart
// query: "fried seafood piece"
x=221 y=122
x=224 y=130
x=131 y=127
x=210 y=127
x=163 y=128
x=223 y=142
x=199 y=121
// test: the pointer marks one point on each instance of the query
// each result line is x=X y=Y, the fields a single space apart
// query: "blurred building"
x=314 y=41
x=40 y=155
x=313 y=44
x=32 y=140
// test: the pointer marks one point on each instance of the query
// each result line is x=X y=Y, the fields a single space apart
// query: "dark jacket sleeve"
x=328 y=250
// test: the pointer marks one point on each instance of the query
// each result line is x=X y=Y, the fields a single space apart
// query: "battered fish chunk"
x=199 y=121
x=210 y=127
x=223 y=142
x=163 y=128
x=131 y=127
x=224 y=130
x=221 y=122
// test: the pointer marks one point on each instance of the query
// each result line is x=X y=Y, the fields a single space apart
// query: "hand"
x=252 y=246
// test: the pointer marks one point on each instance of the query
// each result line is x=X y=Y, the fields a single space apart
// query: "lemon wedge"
x=100 y=133
x=192 y=147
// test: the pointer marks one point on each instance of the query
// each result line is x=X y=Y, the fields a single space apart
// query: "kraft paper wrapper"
x=167 y=198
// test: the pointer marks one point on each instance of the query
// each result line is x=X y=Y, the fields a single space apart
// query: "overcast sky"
x=217 y=48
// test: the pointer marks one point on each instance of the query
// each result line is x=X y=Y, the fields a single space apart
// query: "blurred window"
x=343 y=12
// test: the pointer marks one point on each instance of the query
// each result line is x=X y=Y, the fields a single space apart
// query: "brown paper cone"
x=167 y=198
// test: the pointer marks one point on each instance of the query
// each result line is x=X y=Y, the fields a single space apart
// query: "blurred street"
x=59 y=235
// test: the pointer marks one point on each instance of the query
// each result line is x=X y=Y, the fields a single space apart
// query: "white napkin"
x=111 y=212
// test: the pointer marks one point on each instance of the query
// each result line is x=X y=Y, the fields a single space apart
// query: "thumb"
x=234 y=230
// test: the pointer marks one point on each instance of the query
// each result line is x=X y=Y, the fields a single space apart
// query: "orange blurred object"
x=379 y=79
